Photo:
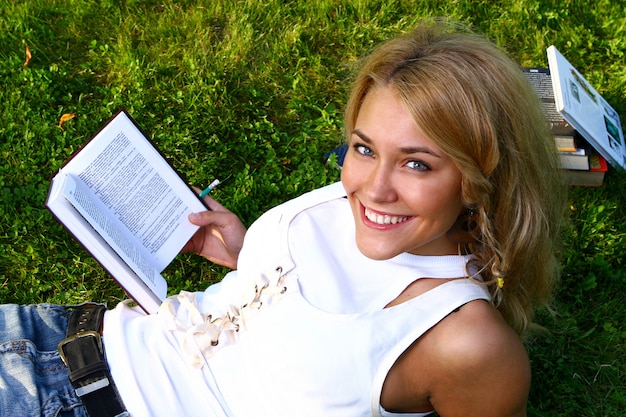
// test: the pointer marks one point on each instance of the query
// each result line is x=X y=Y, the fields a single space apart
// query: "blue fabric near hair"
x=33 y=379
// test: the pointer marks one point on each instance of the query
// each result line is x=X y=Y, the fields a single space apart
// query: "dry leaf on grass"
x=29 y=55
x=65 y=118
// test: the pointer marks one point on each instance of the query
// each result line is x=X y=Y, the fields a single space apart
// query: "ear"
x=465 y=228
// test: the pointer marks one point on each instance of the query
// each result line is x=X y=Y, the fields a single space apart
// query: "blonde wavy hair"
x=468 y=97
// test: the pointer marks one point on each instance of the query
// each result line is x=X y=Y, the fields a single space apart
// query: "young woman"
x=402 y=290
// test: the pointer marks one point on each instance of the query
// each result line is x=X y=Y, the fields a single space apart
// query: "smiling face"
x=405 y=193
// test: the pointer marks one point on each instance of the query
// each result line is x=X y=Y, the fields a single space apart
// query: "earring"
x=468 y=221
x=465 y=226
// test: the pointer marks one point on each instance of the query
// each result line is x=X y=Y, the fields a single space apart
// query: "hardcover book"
x=585 y=109
x=128 y=207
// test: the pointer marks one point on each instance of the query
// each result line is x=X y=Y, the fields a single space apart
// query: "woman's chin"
x=377 y=253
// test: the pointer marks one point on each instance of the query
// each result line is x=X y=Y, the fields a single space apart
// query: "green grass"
x=252 y=93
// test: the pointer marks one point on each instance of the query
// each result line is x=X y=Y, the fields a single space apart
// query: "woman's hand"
x=220 y=236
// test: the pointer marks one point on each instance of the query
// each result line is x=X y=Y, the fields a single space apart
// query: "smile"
x=384 y=218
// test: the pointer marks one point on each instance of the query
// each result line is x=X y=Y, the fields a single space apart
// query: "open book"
x=586 y=110
x=123 y=201
x=563 y=132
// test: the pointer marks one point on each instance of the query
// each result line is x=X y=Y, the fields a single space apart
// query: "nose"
x=379 y=184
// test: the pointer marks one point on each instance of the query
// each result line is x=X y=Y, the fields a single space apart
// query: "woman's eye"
x=363 y=150
x=417 y=166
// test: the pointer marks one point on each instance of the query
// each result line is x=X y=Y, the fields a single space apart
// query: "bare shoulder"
x=479 y=365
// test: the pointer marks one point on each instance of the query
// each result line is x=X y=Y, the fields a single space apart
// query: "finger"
x=202 y=218
x=190 y=246
x=206 y=218
x=214 y=205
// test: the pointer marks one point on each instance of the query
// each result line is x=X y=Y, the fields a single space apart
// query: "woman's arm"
x=484 y=366
x=470 y=364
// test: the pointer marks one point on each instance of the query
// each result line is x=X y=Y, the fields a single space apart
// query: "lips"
x=384 y=219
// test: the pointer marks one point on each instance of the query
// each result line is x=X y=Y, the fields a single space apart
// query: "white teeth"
x=384 y=219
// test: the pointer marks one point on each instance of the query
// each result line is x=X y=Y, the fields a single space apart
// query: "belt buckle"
x=79 y=335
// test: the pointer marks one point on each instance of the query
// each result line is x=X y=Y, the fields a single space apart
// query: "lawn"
x=252 y=92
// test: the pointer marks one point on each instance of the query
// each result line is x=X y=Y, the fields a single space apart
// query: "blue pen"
x=208 y=189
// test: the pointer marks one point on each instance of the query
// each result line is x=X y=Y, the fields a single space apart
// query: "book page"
x=113 y=232
x=139 y=188
x=135 y=193
x=541 y=82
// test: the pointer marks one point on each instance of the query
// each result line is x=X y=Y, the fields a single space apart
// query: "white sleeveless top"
x=313 y=339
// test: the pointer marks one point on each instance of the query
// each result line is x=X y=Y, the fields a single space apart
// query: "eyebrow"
x=406 y=149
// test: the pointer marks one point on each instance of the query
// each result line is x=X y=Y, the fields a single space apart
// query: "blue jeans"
x=33 y=379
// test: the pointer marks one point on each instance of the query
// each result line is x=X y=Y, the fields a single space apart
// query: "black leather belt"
x=83 y=353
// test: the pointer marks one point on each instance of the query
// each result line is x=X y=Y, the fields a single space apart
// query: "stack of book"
x=587 y=130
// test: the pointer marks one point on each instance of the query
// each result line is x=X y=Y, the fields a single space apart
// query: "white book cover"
x=585 y=109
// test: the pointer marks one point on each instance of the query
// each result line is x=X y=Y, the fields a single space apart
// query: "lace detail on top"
x=205 y=332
